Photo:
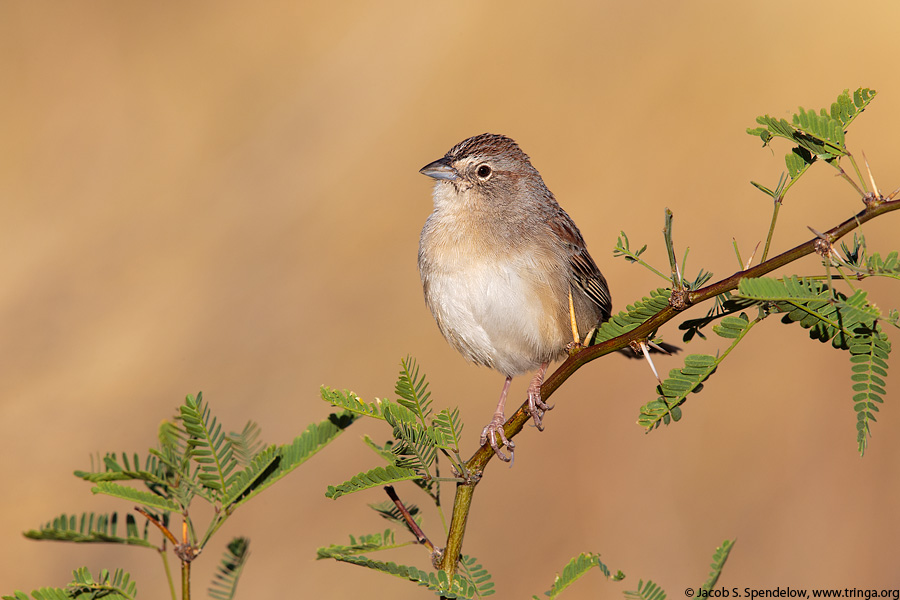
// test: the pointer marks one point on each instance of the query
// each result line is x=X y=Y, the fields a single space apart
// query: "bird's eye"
x=484 y=171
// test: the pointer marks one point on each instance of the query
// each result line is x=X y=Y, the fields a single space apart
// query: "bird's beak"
x=440 y=169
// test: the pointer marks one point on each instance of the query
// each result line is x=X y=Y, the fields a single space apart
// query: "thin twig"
x=670 y=248
x=163 y=528
x=410 y=522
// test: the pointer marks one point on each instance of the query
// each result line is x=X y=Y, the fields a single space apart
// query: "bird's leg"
x=536 y=406
x=494 y=429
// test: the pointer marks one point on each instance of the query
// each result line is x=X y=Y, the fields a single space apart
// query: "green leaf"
x=253 y=475
x=209 y=447
x=823 y=129
x=224 y=583
x=117 y=585
x=290 y=456
x=477 y=575
x=623 y=249
x=438 y=582
x=732 y=327
x=574 y=570
x=718 y=563
x=869 y=351
x=392 y=513
x=351 y=402
x=412 y=390
x=397 y=414
x=633 y=316
x=675 y=389
x=246 y=444
x=763 y=189
x=174 y=453
x=155 y=473
x=815 y=135
x=845 y=110
x=829 y=318
x=415 y=448
x=883 y=267
x=171 y=438
x=91 y=528
x=148 y=499
x=448 y=429
x=84 y=586
x=382 y=451
x=650 y=591
x=373 y=478
x=769 y=289
x=724 y=305
x=798 y=161
x=365 y=543
x=856 y=309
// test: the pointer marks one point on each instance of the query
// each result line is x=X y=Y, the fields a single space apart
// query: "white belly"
x=497 y=313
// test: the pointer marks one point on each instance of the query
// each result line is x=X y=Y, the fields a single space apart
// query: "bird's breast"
x=496 y=303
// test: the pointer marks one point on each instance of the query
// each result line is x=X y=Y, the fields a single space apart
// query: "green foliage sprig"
x=195 y=459
x=84 y=586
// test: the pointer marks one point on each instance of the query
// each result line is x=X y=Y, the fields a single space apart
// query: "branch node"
x=822 y=247
x=186 y=552
x=573 y=348
x=437 y=556
x=872 y=199
x=679 y=299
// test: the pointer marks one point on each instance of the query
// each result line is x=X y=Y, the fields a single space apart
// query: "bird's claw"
x=494 y=430
x=536 y=406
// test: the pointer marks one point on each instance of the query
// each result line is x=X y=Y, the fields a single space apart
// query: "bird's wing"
x=585 y=274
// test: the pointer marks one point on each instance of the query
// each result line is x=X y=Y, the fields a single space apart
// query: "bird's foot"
x=536 y=406
x=493 y=431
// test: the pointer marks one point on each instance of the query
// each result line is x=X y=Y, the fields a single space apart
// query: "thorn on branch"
x=753 y=254
x=643 y=347
x=822 y=246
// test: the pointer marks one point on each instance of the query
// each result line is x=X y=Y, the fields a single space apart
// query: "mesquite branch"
x=476 y=464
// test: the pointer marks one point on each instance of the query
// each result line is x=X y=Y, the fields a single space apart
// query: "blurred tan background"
x=224 y=197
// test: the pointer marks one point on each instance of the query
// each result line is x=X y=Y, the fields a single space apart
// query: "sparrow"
x=505 y=271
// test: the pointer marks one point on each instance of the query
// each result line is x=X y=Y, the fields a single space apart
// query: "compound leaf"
x=648 y=591
x=148 y=499
x=869 y=351
x=378 y=476
x=633 y=315
x=574 y=570
x=224 y=583
x=412 y=390
x=91 y=528
x=290 y=456
x=718 y=563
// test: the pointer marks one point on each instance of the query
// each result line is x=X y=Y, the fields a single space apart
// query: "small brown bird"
x=505 y=271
